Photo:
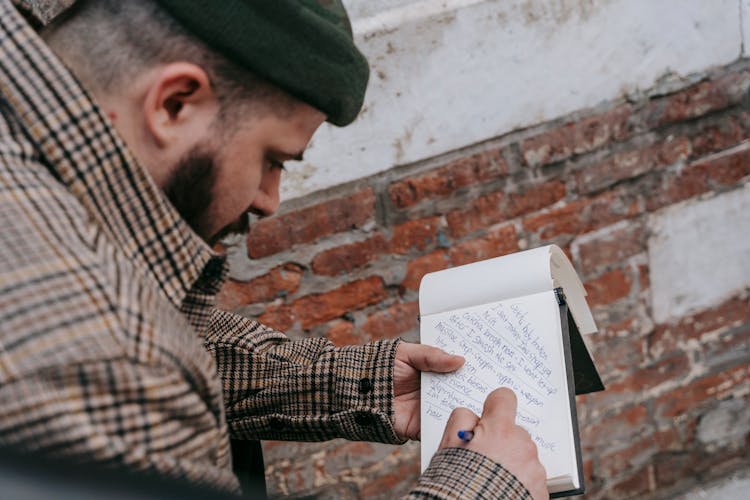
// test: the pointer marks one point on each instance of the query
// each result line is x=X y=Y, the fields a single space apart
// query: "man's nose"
x=267 y=200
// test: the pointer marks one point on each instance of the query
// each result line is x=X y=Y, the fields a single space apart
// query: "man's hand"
x=496 y=436
x=411 y=359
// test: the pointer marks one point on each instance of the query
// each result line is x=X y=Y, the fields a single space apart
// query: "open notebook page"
x=514 y=275
x=514 y=343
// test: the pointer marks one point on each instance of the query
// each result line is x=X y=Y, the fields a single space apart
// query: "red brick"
x=279 y=317
x=443 y=181
x=621 y=426
x=398 y=478
x=618 y=355
x=563 y=220
x=352 y=449
x=392 y=322
x=637 y=453
x=534 y=198
x=608 y=287
x=695 y=465
x=712 y=139
x=500 y=241
x=629 y=164
x=671 y=368
x=433 y=261
x=685 y=184
x=481 y=212
x=275 y=234
x=315 y=309
x=720 y=463
x=698 y=100
x=717 y=171
x=411 y=235
x=635 y=485
x=346 y=258
x=588 y=471
x=669 y=468
x=415 y=234
x=499 y=206
x=342 y=333
x=280 y=281
x=727 y=168
x=669 y=337
x=703 y=391
x=610 y=207
x=567 y=251
x=584 y=215
x=623 y=328
x=611 y=248
x=577 y=137
x=644 y=277
x=698 y=465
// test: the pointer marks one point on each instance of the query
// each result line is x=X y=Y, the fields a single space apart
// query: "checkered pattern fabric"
x=459 y=473
x=110 y=348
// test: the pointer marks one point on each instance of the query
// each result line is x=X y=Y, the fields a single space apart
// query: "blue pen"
x=465 y=436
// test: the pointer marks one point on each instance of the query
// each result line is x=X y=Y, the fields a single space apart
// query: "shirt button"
x=276 y=423
x=363 y=419
x=365 y=385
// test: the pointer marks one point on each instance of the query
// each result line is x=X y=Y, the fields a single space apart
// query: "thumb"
x=460 y=419
x=427 y=358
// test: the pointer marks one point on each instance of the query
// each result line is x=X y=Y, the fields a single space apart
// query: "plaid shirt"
x=110 y=347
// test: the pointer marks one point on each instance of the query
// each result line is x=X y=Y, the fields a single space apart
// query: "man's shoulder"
x=62 y=278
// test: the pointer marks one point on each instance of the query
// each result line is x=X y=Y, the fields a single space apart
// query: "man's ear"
x=179 y=107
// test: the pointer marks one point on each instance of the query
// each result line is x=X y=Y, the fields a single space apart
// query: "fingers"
x=500 y=405
x=497 y=436
x=461 y=419
x=428 y=359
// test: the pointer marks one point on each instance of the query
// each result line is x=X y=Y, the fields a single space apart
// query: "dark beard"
x=241 y=226
x=190 y=189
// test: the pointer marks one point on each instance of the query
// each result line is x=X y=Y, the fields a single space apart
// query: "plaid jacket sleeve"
x=310 y=390
x=303 y=390
x=460 y=473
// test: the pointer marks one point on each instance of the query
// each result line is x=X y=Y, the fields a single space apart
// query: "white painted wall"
x=699 y=253
x=450 y=73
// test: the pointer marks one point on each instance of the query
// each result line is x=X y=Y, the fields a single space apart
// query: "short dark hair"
x=109 y=42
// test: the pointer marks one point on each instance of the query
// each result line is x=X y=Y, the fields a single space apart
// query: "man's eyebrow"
x=290 y=156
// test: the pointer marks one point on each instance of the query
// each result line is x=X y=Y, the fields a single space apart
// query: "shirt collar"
x=84 y=150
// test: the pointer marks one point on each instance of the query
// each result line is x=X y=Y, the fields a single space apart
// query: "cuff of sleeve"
x=364 y=388
x=462 y=473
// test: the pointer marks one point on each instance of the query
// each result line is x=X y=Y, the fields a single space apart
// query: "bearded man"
x=133 y=135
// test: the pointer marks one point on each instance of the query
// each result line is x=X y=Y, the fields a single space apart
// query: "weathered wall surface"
x=448 y=73
x=648 y=191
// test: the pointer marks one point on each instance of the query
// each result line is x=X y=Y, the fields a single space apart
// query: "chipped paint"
x=471 y=70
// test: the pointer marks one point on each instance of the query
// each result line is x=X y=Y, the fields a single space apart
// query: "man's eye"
x=277 y=164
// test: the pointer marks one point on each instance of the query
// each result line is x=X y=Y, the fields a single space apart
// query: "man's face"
x=219 y=181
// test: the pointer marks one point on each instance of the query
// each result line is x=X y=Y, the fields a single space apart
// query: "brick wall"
x=346 y=264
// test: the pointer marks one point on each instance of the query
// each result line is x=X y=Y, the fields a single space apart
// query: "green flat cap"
x=305 y=47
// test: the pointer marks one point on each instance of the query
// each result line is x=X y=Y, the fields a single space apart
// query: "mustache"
x=240 y=226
